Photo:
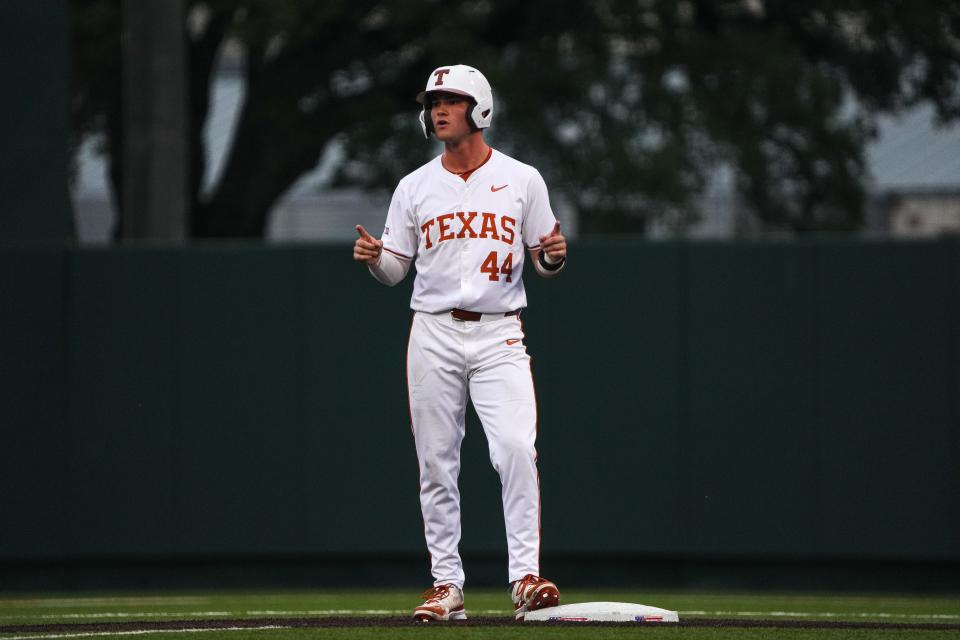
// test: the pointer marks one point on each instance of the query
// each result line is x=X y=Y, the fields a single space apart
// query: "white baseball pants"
x=449 y=360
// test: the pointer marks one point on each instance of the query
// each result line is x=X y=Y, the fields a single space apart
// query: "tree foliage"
x=627 y=106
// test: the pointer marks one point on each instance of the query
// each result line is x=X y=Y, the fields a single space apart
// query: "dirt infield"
x=489 y=621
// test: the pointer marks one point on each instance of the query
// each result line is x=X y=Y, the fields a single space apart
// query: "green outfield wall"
x=788 y=400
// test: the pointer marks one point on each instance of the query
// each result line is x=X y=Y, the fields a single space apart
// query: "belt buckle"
x=465 y=316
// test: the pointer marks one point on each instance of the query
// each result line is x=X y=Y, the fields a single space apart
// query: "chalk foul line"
x=136 y=632
x=146 y=615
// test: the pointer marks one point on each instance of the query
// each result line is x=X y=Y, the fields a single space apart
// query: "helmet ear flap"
x=471 y=115
x=426 y=122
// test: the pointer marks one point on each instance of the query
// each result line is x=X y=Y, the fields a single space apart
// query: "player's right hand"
x=367 y=249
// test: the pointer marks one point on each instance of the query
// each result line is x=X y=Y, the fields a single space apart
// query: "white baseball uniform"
x=468 y=239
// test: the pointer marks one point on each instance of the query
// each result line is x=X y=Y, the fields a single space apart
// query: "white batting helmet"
x=466 y=81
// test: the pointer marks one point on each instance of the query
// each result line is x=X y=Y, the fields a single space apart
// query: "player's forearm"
x=390 y=269
x=545 y=268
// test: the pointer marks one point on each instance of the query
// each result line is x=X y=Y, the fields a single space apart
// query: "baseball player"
x=467 y=218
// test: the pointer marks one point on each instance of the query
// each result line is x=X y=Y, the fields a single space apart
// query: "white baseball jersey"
x=469 y=237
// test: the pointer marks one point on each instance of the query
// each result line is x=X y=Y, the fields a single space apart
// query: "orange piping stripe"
x=398 y=254
x=406 y=375
x=536 y=430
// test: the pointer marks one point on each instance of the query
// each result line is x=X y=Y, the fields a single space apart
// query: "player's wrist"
x=549 y=264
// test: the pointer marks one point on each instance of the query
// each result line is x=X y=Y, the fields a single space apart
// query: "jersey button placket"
x=465 y=283
x=466 y=275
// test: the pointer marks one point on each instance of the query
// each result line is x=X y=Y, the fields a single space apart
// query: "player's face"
x=449 y=114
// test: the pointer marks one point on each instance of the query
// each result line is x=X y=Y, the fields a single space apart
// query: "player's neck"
x=465 y=155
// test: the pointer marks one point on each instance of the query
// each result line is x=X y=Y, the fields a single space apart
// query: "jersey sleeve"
x=538 y=218
x=400 y=231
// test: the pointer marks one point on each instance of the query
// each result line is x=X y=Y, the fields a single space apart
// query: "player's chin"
x=446 y=133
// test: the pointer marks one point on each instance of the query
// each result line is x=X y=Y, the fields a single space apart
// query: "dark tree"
x=627 y=106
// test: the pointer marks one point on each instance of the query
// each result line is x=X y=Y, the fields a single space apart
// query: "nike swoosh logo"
x=495 y=189
x=512 y=342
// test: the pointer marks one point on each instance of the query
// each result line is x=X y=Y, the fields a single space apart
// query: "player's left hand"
x=554 y=245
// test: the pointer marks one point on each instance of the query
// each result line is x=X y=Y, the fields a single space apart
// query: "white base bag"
x=602 y=612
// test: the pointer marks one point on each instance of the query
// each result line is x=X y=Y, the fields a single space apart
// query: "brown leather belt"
x=460 y=314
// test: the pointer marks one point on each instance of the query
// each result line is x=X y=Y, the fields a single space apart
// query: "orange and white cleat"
x=531 y=593
x=441 y=602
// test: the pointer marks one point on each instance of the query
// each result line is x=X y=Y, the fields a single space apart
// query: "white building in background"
x=916 y=170
x=914 y=191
